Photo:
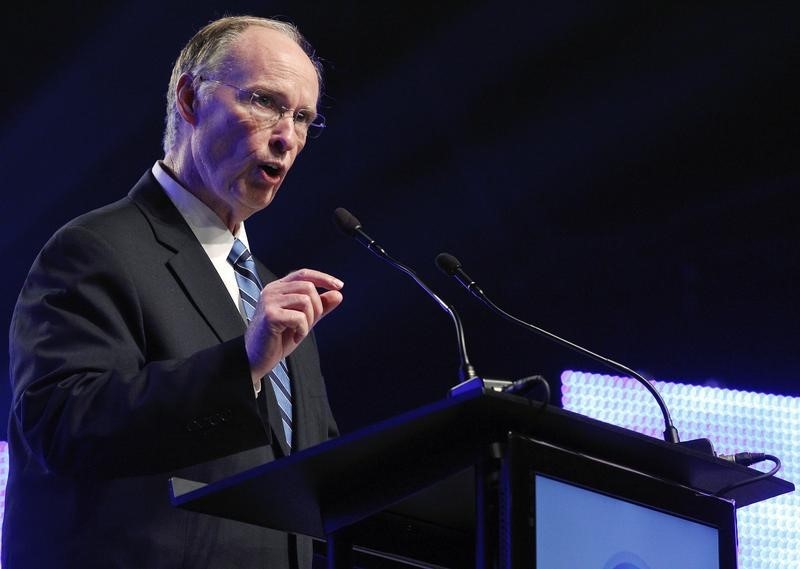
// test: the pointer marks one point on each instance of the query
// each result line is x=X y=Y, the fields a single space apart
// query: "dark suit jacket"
x=128 y=366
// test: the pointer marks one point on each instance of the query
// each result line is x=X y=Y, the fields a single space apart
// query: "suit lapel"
x=189 y=263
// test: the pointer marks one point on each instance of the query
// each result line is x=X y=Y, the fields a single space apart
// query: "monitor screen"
x=582 y=528
x=569 y=510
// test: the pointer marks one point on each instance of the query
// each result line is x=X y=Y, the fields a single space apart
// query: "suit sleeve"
x=86 y=398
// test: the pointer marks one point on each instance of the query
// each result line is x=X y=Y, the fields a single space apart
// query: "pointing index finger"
x=317 y=278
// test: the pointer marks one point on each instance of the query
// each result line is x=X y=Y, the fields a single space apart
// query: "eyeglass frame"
x=313 y=129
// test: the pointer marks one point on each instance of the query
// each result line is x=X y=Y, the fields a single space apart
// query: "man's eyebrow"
x=276 y=94
x=261 y=88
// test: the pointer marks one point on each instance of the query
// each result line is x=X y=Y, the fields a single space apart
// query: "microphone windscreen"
x=345 y=221
x=447 y=263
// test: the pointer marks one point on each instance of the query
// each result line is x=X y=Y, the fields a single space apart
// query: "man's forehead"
x=259 y=50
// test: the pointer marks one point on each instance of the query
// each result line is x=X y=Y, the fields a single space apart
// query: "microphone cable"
x=747 y=459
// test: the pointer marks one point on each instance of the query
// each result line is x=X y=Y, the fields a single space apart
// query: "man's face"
x=240 y=163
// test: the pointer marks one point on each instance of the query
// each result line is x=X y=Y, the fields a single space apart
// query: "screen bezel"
x=531 y=457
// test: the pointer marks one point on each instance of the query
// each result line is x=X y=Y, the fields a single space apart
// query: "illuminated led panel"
x=3 y=478
x=735 y=421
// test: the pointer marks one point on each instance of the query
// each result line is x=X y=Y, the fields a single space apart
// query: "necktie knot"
x=239 y=253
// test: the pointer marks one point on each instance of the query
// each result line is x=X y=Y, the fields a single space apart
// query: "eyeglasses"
x=267 y=112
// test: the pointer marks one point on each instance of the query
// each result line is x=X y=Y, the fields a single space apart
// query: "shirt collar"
x=206 y=225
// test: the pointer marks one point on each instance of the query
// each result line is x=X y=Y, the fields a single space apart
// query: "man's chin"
x=260 y=198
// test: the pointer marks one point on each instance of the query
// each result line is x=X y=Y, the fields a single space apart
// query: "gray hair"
x=206 y=50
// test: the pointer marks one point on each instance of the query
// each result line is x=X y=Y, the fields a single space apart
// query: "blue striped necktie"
x=249 y=291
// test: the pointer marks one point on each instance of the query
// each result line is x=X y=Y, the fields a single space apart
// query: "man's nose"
x=284 y=135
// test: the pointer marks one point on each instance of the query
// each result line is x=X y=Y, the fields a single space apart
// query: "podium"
x=456 y=483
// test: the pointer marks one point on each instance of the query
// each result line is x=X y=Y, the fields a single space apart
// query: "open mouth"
x=271 y=170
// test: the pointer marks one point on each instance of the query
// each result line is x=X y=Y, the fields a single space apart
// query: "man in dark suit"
x=135 y=354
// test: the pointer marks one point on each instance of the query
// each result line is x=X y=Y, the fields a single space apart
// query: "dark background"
x=623 y=174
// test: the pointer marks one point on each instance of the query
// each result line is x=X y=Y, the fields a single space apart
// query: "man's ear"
x=186 y=98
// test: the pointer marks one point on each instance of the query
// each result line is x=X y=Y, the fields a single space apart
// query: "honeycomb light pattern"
x=735 y=421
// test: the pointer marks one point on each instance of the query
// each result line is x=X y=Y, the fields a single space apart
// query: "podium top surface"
x=341 y=482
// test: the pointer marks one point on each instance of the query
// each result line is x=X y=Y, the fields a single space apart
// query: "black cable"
x=746 y=459
x=523 y=387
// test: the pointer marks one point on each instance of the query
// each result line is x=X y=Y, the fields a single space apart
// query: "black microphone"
x=452 y=267
x=349 y=225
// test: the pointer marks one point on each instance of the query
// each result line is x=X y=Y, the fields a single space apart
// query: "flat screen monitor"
x=589 y=514
x=589 y=529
